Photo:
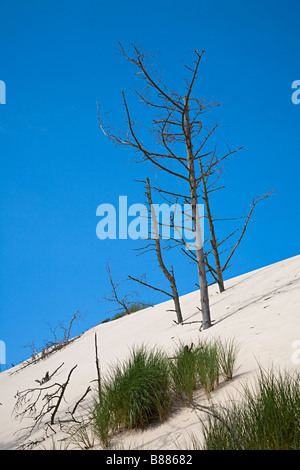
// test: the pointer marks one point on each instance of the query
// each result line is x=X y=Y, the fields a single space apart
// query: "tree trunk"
x=196 y=223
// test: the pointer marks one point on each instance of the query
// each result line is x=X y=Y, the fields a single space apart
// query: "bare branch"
x=139 y=62
x=149 y=155
x=63 y=389
x=255 y=201
x=212 y=411
x=148 y=285
x=79 y=401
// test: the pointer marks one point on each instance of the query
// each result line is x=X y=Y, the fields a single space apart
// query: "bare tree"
x=125 y=302
x=169 y=274
x=61 y=334
x=61 y=337
x=180 y=123
x=174 y=128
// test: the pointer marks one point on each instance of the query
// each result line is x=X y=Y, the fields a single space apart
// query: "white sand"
x=260 y=309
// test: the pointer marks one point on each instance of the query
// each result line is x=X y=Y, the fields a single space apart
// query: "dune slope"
x=260 y=309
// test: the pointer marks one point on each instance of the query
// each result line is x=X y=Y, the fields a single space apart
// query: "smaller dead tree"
x=61 y=337
x=169 y=274
x=61 y=334
x=125 y=302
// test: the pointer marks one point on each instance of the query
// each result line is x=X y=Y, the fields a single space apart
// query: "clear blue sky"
x=57 y=59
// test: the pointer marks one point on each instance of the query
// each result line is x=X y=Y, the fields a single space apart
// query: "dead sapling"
x=168 y=273
x=125 y=303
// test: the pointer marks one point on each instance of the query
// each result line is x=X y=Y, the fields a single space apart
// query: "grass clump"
x=148 y=383
x=136 y=392
x=228 y=351
x=102 y=420
x=183 y=369
x=202 y=366
x=208 y=365
x=267 y=419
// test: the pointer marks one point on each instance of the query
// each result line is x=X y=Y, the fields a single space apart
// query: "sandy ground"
x=260 y=310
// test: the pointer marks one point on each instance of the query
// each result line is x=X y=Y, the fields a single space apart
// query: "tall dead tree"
x=174 y=128
x=180 y=151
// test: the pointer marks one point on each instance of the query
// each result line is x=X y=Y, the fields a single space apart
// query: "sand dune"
x=260 y=309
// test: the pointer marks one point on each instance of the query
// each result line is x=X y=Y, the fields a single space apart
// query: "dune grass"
x=102 y=423
x=144 y=389
x=135 y=393
x=227 y=352
x=268 y=418
x=202 y=366
x=145 y=386
x=208 y=365
x=183 y=368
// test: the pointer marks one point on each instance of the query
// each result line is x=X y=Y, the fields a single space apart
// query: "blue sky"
x=57 y=59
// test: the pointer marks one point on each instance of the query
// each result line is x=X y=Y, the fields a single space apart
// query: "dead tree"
x=175 y=129
x=125 y=302
x=50 y=346
x=98 y=368
x=180 y=122
x=59 y=342
x=169 y=274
